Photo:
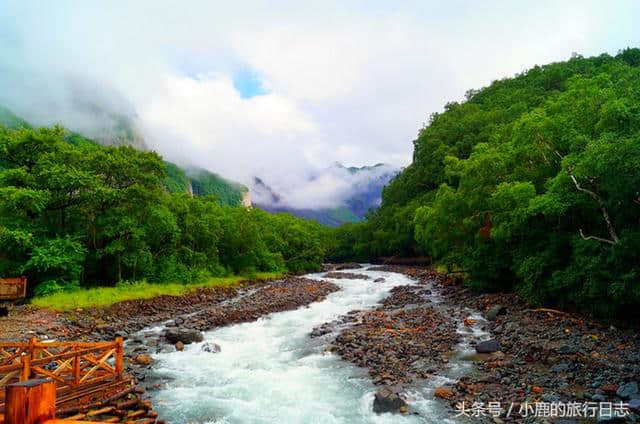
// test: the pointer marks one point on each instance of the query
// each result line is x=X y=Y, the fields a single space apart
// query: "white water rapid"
x=271 y=371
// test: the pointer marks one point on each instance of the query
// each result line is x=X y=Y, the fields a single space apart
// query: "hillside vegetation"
x=74 y=213
x=531 y=184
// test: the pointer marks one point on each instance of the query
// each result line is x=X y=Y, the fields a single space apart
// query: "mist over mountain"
x=178 y=179
x=331 y=196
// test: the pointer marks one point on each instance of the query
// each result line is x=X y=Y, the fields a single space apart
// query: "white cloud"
x=347 y=81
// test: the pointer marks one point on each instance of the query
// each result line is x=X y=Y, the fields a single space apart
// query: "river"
x=271 y=371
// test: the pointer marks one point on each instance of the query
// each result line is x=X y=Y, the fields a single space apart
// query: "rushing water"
x=271 y=371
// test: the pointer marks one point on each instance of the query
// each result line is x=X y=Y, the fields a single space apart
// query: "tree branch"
x=600 y=239
x=603 y=209
x=593 y=195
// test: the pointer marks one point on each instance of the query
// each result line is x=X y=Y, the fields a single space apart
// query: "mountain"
x=362 y=192
x=11 y=120
x=121 y=131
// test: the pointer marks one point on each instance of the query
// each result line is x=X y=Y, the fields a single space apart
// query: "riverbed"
x=271 y=371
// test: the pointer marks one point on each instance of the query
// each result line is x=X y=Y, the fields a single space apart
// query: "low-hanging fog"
x=280 y=90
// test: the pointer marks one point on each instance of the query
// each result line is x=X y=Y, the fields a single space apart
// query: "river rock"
x=186 y=336
x=609 y=389
x=345 y=275
x=562 y=366
x=443 y=393
x=179 y=346
x=488 y=346
x=350 y=265
x=634 y=405
x=566 y=349
x=379 y=280
x=388 y=399
x=211 y=347
x=625 y=391
x=496 y=310
x=143 y=359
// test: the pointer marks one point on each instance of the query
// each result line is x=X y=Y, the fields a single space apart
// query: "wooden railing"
x=71 y=365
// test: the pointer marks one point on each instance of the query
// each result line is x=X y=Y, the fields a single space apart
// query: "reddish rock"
x=144 y=359
x=443 y=393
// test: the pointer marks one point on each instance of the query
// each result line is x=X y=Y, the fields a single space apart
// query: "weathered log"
x=119 y=395
x=136 y=414
x=101 y=411
x=127 y=404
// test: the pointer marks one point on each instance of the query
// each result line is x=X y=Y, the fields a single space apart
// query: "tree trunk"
x=119 y=269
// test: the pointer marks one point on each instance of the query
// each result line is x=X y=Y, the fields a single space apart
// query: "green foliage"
x=516 y=185
x=205 y=183
x=74 y=213
x=57 y=263
x=11 y=120
x=176 y=181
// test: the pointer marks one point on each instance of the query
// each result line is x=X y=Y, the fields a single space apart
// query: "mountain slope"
x=198 y=182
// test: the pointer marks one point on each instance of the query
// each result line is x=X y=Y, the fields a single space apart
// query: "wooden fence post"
x=118 y=359
x=30 y=402
x=25 y=373
x=76 y=366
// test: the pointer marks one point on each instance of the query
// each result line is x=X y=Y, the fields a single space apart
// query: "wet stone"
x=626 y=391
x=388 y=399
x=488 y=346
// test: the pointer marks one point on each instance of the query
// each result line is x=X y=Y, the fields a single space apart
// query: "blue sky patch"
x=248 y=83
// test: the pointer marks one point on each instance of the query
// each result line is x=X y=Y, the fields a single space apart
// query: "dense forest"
x=531 y=184
x=74 y=213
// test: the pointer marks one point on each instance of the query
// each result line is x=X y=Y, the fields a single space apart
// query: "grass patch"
x=105 y=296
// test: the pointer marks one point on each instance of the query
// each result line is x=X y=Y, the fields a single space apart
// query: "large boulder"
x=488 y=346
x=388 y=399
x=184 y=335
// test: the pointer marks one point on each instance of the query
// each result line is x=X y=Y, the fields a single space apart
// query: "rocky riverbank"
x=526 y=356
x=185 y=317
x=402 y=340
x=534 y=356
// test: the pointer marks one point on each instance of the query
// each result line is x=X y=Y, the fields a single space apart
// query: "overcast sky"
x=276 y=88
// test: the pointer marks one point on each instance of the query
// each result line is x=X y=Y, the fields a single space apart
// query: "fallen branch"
x=551 y=311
